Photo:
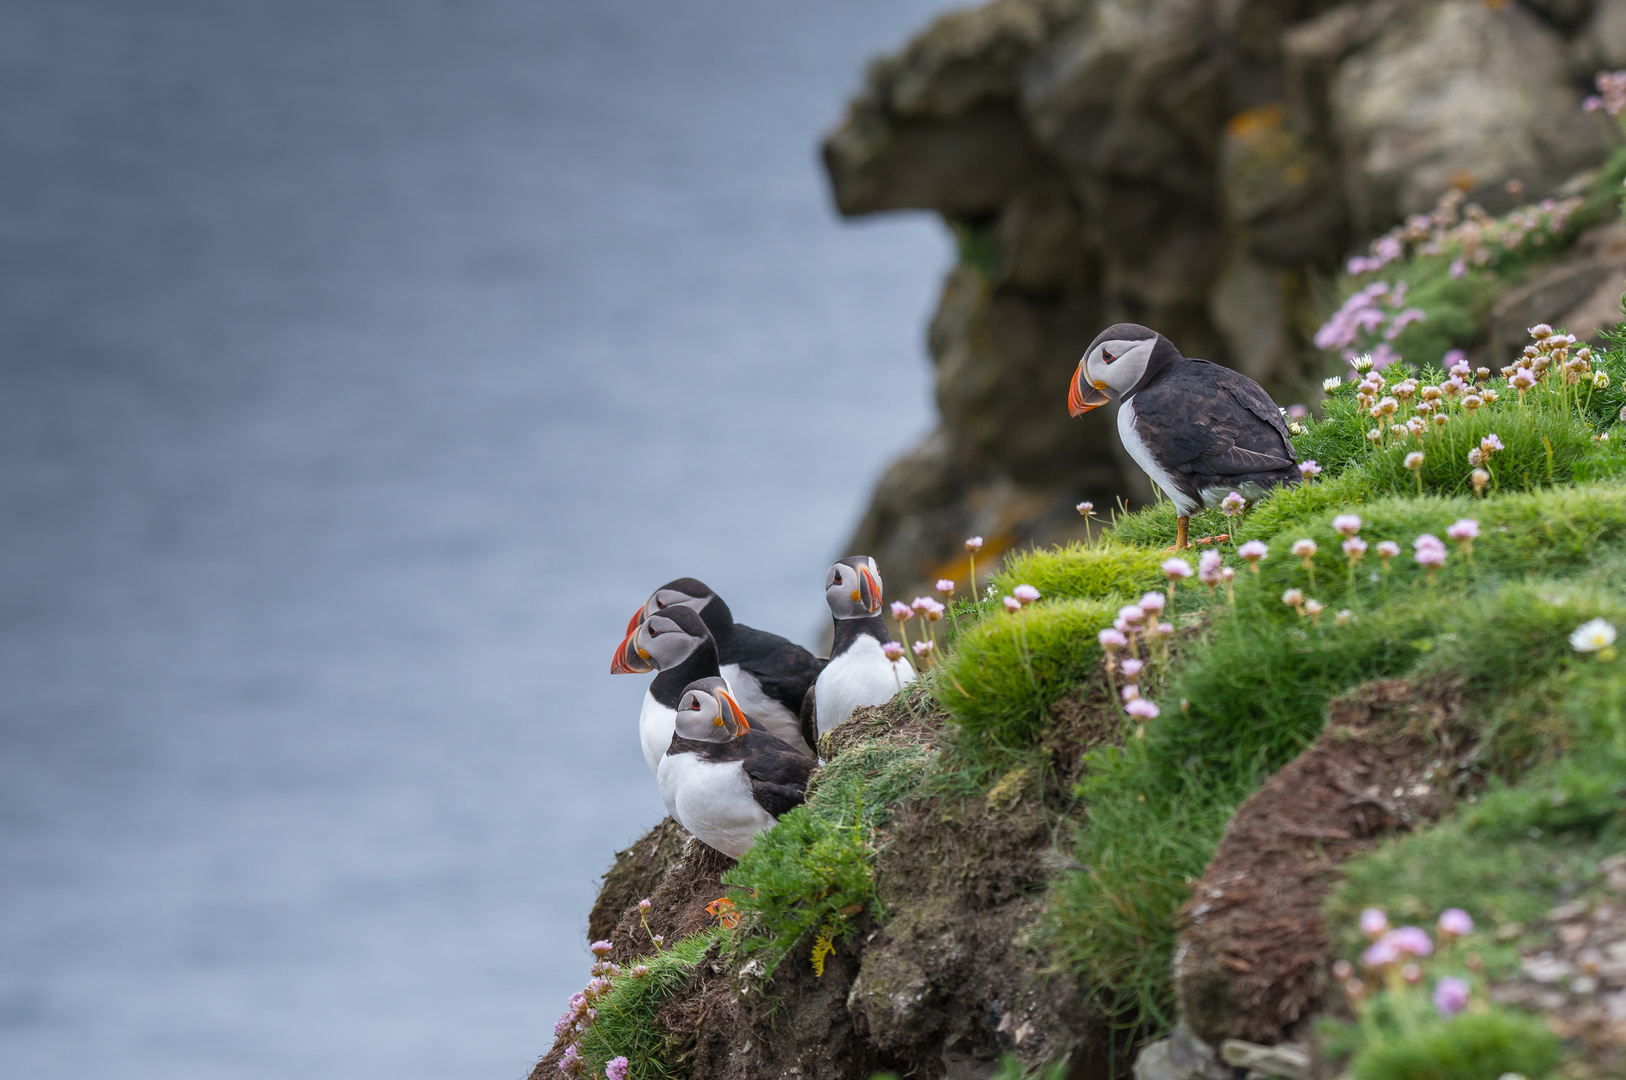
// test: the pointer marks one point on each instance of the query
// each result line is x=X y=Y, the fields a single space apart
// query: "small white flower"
x=1593 y=636
x=1329 y=385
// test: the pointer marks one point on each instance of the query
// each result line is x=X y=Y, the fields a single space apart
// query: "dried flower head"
x=1293 y=598
x=1414 y=460
x=1476 y=456
x=1343 y=618
x=1479 y=478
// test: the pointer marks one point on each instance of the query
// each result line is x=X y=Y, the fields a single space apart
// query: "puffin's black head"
x=707 y=712
x=685 y=592
x=661 y=641
x=1116 y=363
x=852 y=588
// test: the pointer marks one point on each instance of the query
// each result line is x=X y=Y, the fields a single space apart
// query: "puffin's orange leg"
x=1180 y=540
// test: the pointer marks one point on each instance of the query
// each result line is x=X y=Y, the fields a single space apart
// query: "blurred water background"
x=362 y=367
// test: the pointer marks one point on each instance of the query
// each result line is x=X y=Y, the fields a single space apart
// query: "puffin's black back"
x=781 y=667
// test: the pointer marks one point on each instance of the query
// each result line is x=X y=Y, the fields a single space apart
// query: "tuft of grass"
x=805 y=875
x=1470 y=1046
x=626 y=1015
x=1083 y=571
x=869 y=781
x=1008 y=669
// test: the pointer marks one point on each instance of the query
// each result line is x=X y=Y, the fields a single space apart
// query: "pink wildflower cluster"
x=1212 y=571
x=1550 y=360
x=1395 y=959
x=1611 y=95
x=582 y=1010
x=1376 y=312
x=1467 y=233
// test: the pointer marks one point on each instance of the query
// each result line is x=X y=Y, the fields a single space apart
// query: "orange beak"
x=629 y=659
x=733 y=715
x=1082 y=397
x=637 y=620
x=869 y=590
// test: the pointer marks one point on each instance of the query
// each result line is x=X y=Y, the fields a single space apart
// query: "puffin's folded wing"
x=1251 y=396
x=778 y=774
x=1236 y=461
x=778 y=799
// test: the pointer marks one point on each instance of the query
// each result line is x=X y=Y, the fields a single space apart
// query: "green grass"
x=806 y=875
x=1083 y=571
x=626 y=1015
x=1007 y=670
x=1470 y=1046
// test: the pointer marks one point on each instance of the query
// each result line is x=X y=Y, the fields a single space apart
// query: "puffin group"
x=730 y=724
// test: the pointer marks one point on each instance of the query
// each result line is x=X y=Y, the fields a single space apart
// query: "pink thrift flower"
x=601 y=948
x=1304 y=549
x=1458 y=268
x=1132 y=614
x=1463 y=529
x=901 y=611
x=1131 y=669
x=892 y=651
x=1027 y=594
x=921 y=603
x=1176 y=569
x=1012 y=604
x=1347 y=524
x=616 y=1068
x=1232 y=504
x=1374 y=922
x=923 y=647
x=1086 y=508
x=1253 y=551
x=974 y=544
x=1141 y=709
x=945 y=586
x=1309 y=470
x=1412 y=974
x=1450 y=996
x=1379 y=954
x=1490 y=444
x=1428 y=550
x=1112 y=641
x=1165 y=628
x=1455 y=923
x=1354 y=547
x=1410 y=939
x=1130 y=693
x=1152 y=603
x=1388 y=549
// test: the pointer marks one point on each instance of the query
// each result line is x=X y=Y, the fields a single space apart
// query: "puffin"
x=768 y=674
x=677 y=644
x=723 y=779
x=857 y=672
x=1199 y=430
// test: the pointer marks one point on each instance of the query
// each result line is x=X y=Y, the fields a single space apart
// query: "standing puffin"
x=858 y=672
x=722 y=779
x=769 y=675
x=678 y=645
x=1199 y=430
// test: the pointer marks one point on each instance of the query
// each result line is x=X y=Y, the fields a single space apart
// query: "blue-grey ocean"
x=362 y=367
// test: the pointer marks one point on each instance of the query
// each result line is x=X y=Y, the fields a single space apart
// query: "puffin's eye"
x=1106 y=357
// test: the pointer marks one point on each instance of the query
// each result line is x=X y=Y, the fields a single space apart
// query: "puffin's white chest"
x=656 y=725
x=713 y=800
x=860 y=676
x=1143 y=457
x=778 y=720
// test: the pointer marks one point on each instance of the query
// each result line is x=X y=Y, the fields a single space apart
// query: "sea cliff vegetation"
x=1461 y=535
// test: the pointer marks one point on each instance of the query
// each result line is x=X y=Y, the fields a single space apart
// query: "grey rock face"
x=1181 y=1056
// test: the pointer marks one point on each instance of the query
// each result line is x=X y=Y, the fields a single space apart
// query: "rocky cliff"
x=1198 y=166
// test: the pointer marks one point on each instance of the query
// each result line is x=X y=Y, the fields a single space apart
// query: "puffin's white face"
x=710 y=715
x=853 y=592
x=1114 y=367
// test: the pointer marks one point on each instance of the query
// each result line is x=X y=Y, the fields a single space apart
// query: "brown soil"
x=1253 y=952
x=635 y=874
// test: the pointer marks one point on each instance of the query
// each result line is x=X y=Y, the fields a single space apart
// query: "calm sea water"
x=362 y=367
